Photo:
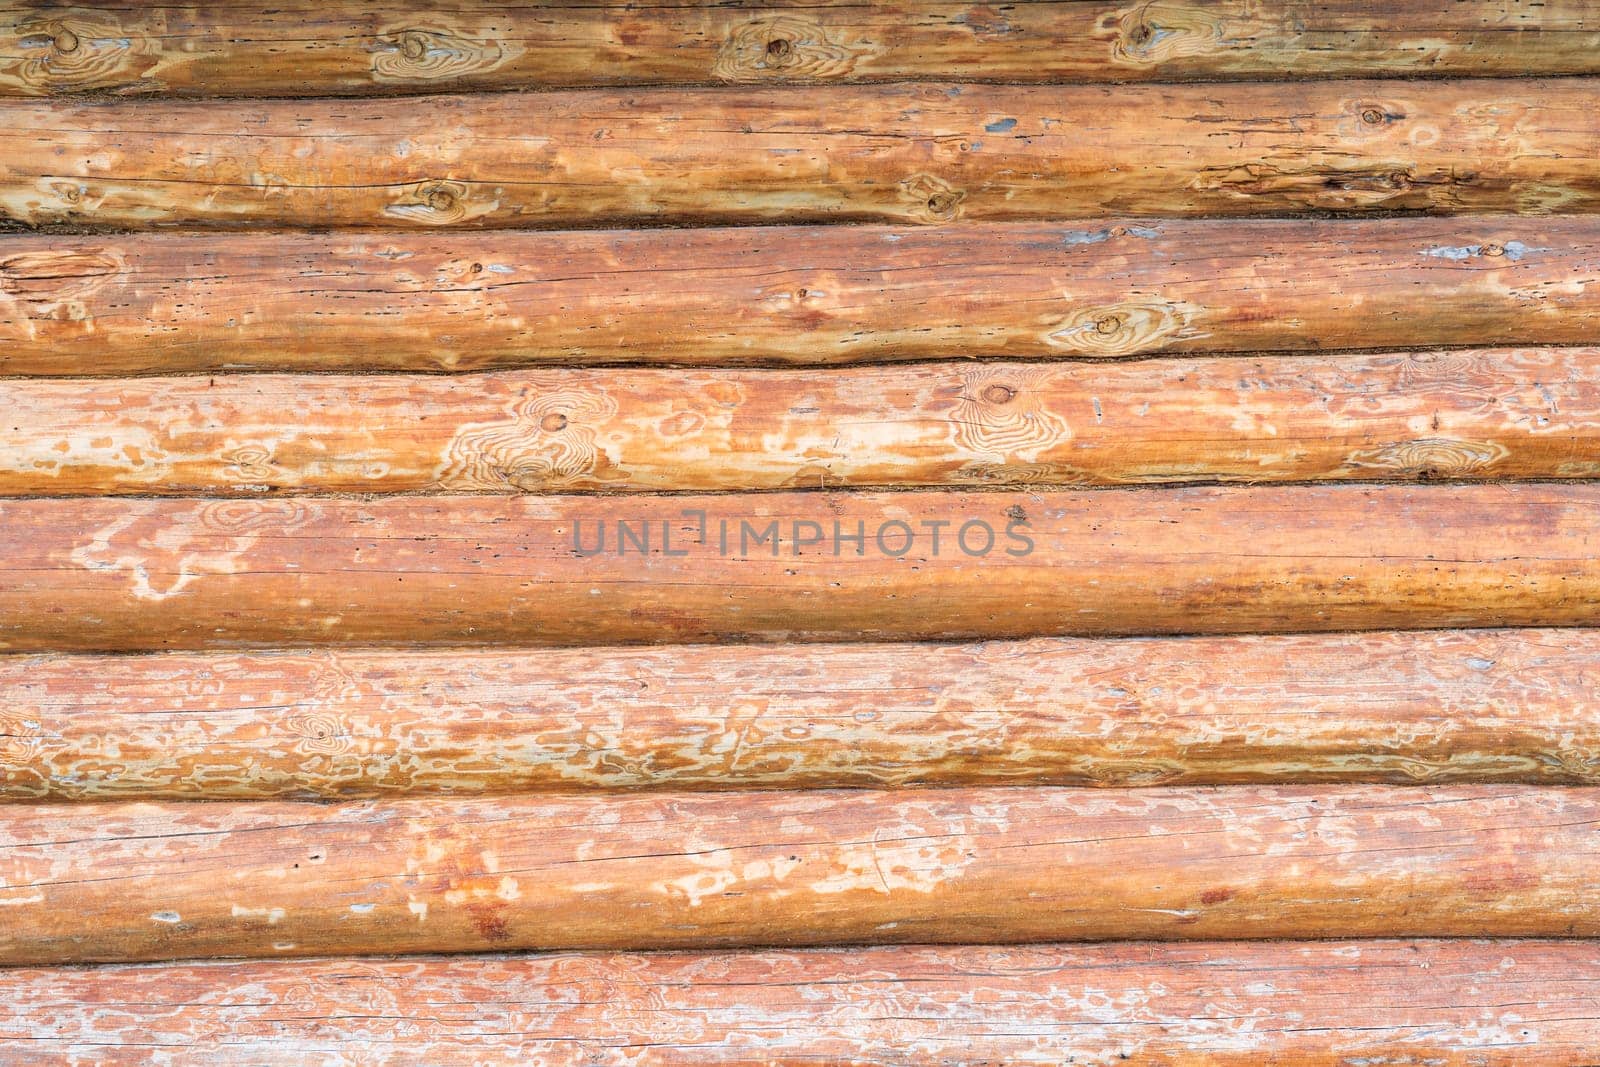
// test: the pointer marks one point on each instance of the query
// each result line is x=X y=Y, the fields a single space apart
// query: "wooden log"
x=140 y=303
x=88 y=574
x=917 y=153
x=1492 y=705
x=299 y=48
x=1483 y=1004
x=146 y=881
x=1532 y=413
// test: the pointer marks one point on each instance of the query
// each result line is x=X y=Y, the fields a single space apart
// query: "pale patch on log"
x=1004 y=416
x=1435 y=457
x=160 y=559
x=789 y=47
x=440 y=203
x=549 y=442
x=932 y=199
x=58 y=284
x=434 y=53
x=1127 y=328
x=1159 y=31
x=76 y=49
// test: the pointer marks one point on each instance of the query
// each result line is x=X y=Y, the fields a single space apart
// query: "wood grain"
x=906 y=153
x=299 y=48
x=1461 y=414
x=1444 y=1003
x=87 y=574
x=1490 y=705
x=1107 y=288
x=148 y=881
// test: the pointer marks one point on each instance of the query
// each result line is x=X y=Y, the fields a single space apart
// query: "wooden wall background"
x=1267 y=326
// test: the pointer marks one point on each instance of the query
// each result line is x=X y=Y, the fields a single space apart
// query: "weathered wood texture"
x=1454 y=414
x=85 y=574
x=919 y=153
x=1338 y=1004
x=146 y=881
x=138 y=303
x=304 y=47
x=1491 y=705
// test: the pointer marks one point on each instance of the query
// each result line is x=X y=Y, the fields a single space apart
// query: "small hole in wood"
x=553 y=423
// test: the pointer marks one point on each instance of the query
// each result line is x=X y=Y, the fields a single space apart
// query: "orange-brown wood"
x=147 y=881
x=89 y=574
x=919 y=153
x=302 y=47
x=1334 y=1004
x=1490 y=705
x=1508 y=413
x=140 y=303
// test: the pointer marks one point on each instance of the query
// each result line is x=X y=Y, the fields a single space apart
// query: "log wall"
x=720 y=479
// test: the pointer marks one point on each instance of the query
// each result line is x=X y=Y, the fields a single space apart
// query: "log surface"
x=1461 y=414
x=88 y=574
x=1493 y=705
x=1444 y=1003
x=906 y=153
x=300 y=47
x=150 y=881
x=1108 y=288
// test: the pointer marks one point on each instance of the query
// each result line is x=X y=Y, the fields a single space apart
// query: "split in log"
x=919 y=153
x=1490 y=705
x=1331 y=1004
x=110 y=574
x=1463 y=414
x=148 y=881
x=304 y=47
x=141 y=303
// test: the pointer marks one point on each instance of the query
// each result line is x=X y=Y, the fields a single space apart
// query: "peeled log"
x=911 y=153
x=142 y=303
x=1485 y=1004
x=149 y=881
x=1528 y=413
x=112 y=574
x=299 y=47
x=1491 y=705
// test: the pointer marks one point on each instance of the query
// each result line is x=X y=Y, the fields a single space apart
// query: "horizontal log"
x=910 y=153
x=103 y=573
x=1530 y=413
x=141 y=303
x=1444 y=1003
x=149 y=881
x=300 y=47
x=1490 y=705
